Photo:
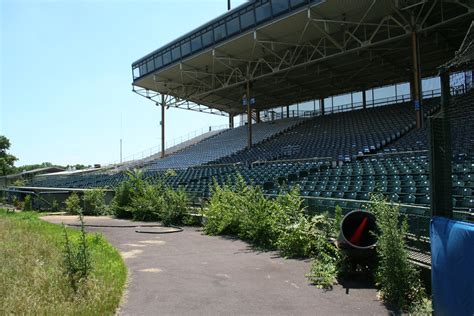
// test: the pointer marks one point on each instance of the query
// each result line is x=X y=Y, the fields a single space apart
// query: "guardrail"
x=169 y=144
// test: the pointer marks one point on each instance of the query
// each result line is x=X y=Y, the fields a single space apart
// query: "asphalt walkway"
x=188 y=273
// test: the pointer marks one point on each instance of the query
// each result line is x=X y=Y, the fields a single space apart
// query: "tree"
x=6 y=160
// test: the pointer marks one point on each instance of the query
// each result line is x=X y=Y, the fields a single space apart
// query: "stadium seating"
x=342 y=136
x=462 y=120
x=385 y=154
x=222 y=145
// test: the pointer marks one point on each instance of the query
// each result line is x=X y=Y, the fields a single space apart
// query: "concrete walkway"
x=189 y=273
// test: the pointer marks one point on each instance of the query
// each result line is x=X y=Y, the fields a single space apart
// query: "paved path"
x=188 y=273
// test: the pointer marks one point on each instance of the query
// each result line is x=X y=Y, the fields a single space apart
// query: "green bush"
x=73 y=204
x=55 y=206
x=94 y=202
x=223 y=211
x=146 y=204
x=120 y=205
x=137 y=199
x=244 y=211
x=294 y=240
x=175 y=207
x=397 y=278
x=256 y=218
x=27 y=203
x=324 y=271
x=328 y=261
x=278 y=223
x=16 y=202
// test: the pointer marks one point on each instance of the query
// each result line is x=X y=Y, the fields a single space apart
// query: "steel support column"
x=287 y=111
x=439 y=135
x=257 y=114
x=321 y=106
x=249 y=116
x=231 y=121
x=163 y=104
x=416 y=93
x=364 y=99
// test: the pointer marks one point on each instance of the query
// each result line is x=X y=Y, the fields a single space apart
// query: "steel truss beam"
x=273 y=58
x=176 y=102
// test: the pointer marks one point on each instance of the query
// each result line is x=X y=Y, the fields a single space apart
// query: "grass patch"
x=33 y=277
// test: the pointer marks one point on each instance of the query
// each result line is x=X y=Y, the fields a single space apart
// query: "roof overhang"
x=320 y=50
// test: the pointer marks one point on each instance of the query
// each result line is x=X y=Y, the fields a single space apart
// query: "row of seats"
x=462 y=121
x=222 y=145
x=343 y=136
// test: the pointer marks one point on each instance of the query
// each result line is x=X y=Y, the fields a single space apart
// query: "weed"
x=73 y=204
x=27 y=203
x=397 y=278
x=76 y=257
x=94 y=202
x=32 y=273
x=55 y=206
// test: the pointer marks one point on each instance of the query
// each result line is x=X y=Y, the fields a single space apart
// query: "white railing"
x=168 y=144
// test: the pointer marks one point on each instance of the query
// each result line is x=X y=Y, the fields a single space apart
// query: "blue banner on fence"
x=452 y=262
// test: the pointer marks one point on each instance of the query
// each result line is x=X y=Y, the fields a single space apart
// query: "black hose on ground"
x=177 y=228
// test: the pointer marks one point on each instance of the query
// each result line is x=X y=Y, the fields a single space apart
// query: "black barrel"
x=357 y=237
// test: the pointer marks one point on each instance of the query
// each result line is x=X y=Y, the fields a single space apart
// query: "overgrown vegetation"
x=398 y=279
x=32 y=270
x=73 y=204
x=55 y=206
x=328 y=261
x=140 y=200
x=77 y=257
x=28 y=203
x=279 y=223
x=94 y=202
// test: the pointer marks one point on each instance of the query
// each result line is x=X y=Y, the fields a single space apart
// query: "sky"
x=66 y=94
x=65 y=87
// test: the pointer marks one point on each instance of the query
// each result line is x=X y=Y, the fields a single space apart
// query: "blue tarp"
x=452 y=264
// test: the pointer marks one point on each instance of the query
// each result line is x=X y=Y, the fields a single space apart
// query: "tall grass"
x=33 y=277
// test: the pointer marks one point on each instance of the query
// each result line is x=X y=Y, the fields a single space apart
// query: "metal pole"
x=249 y=116
x=163 y=104
x=287 y=111
x=228 y=5
x=416 y=79
x=373 y=98
x=396 y=94
x=231 y=121
x=352 y=101
x=364 y=100
x=321 y=106
x=439 y=136
x=120 y=150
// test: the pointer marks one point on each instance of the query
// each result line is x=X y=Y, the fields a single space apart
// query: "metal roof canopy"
x=323 y=49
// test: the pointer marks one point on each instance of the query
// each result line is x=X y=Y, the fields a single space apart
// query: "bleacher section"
x=462 y=122
x=222 y=145
x=402 y=178
x=343 y=136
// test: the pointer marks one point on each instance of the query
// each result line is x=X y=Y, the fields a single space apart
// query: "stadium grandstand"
x=266 y=58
